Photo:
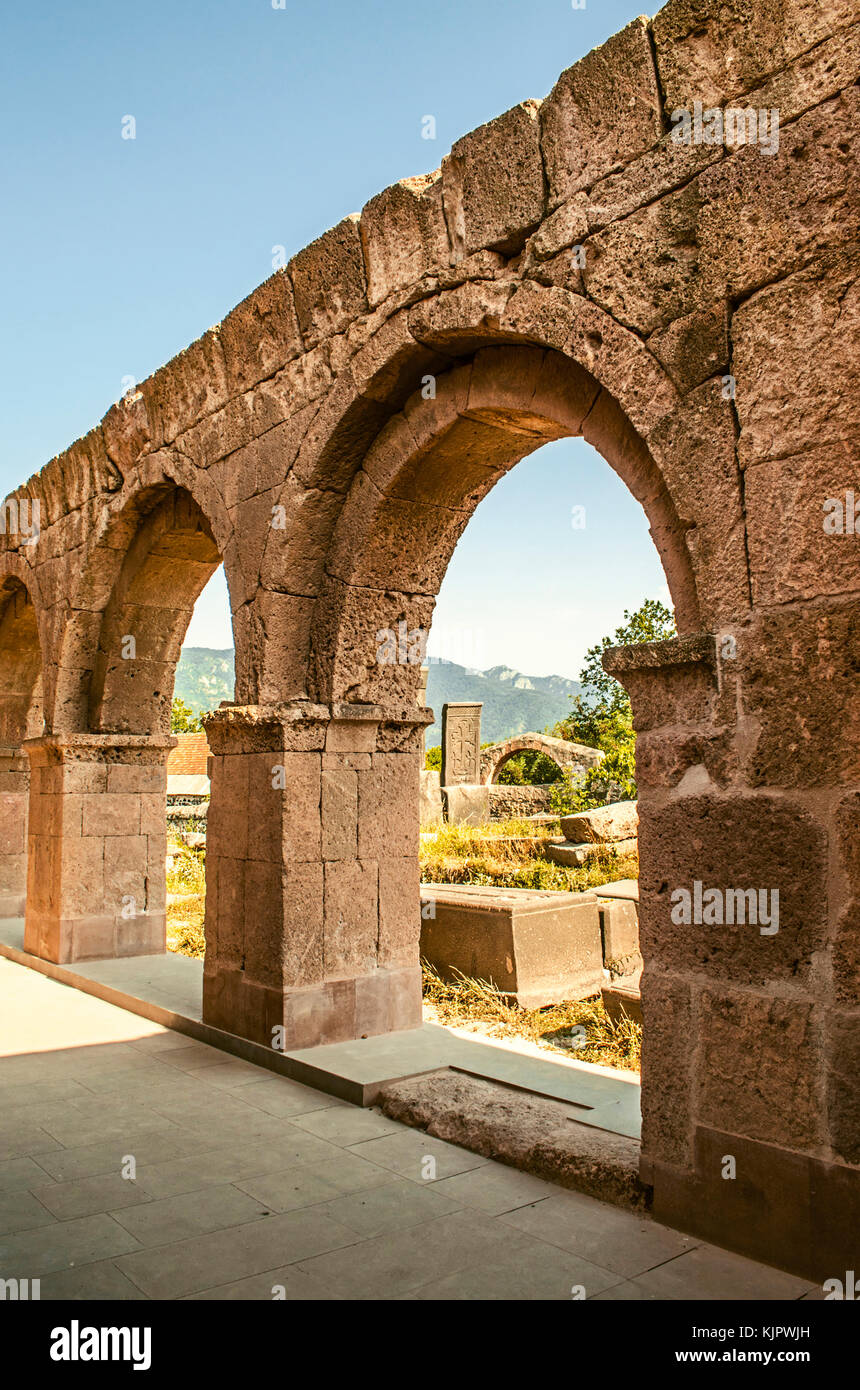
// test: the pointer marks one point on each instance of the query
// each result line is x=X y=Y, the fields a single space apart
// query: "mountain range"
x=514 y=703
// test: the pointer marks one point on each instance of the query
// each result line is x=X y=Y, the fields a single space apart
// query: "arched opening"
x=102 y=781
x=167 y=565
x=20 y=718
x=326 y=940
x=422 y=479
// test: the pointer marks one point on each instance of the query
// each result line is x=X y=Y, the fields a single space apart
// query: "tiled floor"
x=251 y=1186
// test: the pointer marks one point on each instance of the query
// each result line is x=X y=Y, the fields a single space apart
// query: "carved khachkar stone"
x=461 y=743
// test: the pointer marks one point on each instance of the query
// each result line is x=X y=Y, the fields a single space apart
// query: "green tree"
x=602 y=718
x=183 y=720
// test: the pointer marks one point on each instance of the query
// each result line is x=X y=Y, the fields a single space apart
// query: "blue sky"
x=259 y=127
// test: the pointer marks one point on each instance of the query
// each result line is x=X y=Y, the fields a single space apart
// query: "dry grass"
x=508 y=854
x=187 y=880
x=475 y=1003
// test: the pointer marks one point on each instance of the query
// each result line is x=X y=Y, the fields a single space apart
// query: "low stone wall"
x=510 y=802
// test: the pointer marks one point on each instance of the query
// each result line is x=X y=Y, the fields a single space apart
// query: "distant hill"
x=204 y=677
x=513 y=702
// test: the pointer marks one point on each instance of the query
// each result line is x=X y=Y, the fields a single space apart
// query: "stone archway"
x=101 y=787
x=566 y=755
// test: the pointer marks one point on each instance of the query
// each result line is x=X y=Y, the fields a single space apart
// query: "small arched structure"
x=570 y=757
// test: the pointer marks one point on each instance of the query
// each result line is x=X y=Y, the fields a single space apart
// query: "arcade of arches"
x=691 y=310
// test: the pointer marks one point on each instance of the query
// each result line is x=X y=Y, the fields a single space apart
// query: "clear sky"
x=259 y=127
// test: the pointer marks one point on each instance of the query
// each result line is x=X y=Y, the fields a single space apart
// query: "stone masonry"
x=692 y=310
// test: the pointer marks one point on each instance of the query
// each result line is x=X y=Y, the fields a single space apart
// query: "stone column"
x=312 y=891
x=746 y=1138
x=14 y=792
x=97 y=845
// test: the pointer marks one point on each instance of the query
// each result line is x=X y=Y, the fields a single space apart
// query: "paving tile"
x=87 y=1196
x=165 y=1220
x=18 y=1173
x=25 y=1094
x=27 y=1140
x=321 y=1182
x=709 y=1273
x=616 y=1239
x=228 y=1075
x=99 y=1281
x=234 y=1164
x=167 y=1041
x=347 y=1124
x=393 y=1206
x=401 y=1261
x=293 y=1285
x=189 y=1266
x=407 y=1151
x=21 y=1211
x=627 y=1292
x=32 y=1254
x=66 y=1165
x=75 y=1129
x=281 y=1096
x=533 y=1271
x=496 y=1189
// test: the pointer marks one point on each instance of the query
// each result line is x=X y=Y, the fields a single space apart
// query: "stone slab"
x=566 y=853
x=536 y=949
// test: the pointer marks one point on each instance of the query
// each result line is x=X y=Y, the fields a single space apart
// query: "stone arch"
x=422 y=478
x=563 y=753
x=160 y=540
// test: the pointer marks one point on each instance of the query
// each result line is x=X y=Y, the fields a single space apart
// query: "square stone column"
x=14 y=793
x=747 y=841
x=97 y=844
x=312 y=881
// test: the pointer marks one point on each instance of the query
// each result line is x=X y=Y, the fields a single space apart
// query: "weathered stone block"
x=339 y=814
x=466 y=804
x=493 y=183
x=759 y=913
x=351 y=917
x=261 y=334
x=404 y=235
x=328 y=281
x=619 y=821
x=758 y=1067
x=713 y=51
x=843 y=1069
x=580 y=143
x=388 y=807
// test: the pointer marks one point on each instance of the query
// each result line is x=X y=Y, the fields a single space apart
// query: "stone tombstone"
x=461 y=744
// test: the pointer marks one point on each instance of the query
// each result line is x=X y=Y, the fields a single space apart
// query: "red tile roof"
x=188 y=758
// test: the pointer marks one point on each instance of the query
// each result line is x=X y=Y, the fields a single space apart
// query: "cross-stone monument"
x=466 y=799
x=461 y=744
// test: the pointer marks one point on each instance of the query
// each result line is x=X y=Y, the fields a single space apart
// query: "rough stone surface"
x=529 y=1132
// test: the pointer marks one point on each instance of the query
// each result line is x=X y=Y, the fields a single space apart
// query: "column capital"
x=304 y=727
x=109 y=748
